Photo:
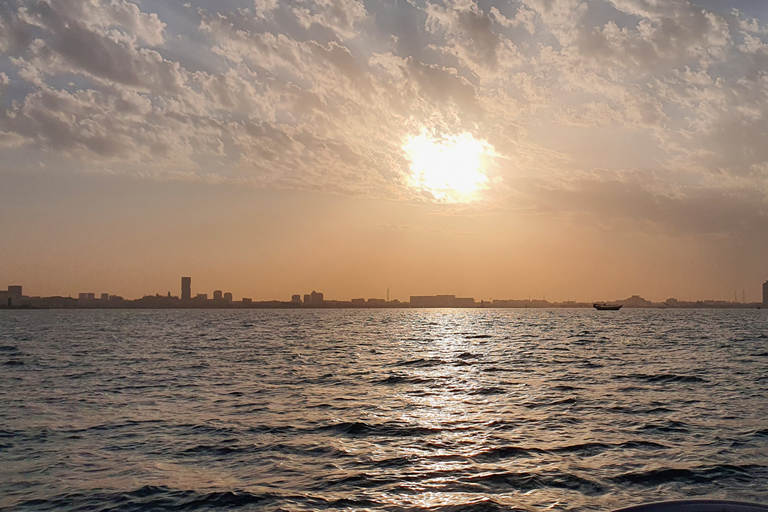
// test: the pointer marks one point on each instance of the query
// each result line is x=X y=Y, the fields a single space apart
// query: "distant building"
x=315 y=297
x=227 y=297
x=13 y=295
x=307 y=298
x=105 y=296
x=296 y=298
x=442 y=301
x=247 y=301
x=86 y=297
x=765 y=293
x=636 y=301
x=201 y=296
x=217 y=294
x=358 y=302
x=14 y=292
x=186 y=288
x=377 y=302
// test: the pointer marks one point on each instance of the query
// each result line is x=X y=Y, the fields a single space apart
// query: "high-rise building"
x=228 y=297
x=306 y=298
x=14 y=292
x=13 y=295
x=105 y=297
x=765 y=293
x=316 y=297
x=186 y=288
x=217 y=294
x=296 y=298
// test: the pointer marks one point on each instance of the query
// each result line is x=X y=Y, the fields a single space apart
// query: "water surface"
x=381 y=409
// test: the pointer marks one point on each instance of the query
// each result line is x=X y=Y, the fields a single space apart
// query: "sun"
x=449 y=167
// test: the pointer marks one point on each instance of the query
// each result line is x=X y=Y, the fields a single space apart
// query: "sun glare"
x=450 y=168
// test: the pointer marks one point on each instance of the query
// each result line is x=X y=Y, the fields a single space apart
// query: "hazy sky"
x=562 y=148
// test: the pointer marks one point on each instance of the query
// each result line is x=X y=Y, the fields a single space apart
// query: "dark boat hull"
x=606 y=307
x=697 y=506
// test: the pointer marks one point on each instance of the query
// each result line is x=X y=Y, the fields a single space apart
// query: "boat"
x=697 y=506
x=602 y=306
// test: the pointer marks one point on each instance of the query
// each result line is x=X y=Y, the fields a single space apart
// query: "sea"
x=381 y=409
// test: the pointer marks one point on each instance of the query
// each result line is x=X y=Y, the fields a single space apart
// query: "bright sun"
x=449 y=167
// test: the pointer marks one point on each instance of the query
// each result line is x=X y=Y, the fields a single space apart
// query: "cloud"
x=321 y=94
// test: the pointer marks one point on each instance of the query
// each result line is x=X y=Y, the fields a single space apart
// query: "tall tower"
x=186 y=288
x=765 y=293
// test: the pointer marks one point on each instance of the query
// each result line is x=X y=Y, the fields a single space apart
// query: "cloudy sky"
x=567 y=149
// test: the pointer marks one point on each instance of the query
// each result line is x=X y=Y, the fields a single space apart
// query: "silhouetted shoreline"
x=72 y=303
x=13 y=298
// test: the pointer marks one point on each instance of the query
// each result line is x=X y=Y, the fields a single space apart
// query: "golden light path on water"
x=451 y=168
x=454 y=409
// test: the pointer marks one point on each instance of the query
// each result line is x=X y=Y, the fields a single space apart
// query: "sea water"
x=482 y=409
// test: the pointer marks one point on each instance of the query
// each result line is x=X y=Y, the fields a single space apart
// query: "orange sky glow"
x=567 y=149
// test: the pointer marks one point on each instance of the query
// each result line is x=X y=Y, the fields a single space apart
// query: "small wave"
x=582 y=448
x=220 y=449
x=478 y=336
x=671 y=426
x=763 y=432
x=14 y=362
x=491 y=390
x=362 y=429
x=564 y=387
x=483 y=505
x=8 y=348
x=506 y=452
x=403 y=379
x=642 y=445
x=421 y=362
x=697 y=475
x=150 y=497
x=662 y=378
x=525 y=481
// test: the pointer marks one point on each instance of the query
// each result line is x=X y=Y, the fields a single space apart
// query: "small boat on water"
x=602 y=306
x=697 y=506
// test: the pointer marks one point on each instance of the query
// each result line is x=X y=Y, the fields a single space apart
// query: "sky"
x=558 y=149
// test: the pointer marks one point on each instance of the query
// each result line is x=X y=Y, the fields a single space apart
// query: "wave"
x=507 y=452
x=224 y=449
x=584 y=449
x=491 y=390
x=695 y=475
x=528 y=481
x=404 y=379
x=422 y=362
x=389 y=429
x=662 y=378
x=150 y=497
x=670 y=426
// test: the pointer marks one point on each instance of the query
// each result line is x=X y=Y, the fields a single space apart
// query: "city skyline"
x=567 y=149
x=13 y=296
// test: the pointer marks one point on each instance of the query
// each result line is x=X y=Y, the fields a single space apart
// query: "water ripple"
x=439 y=410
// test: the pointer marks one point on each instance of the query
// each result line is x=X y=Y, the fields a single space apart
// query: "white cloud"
x=320 y=94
